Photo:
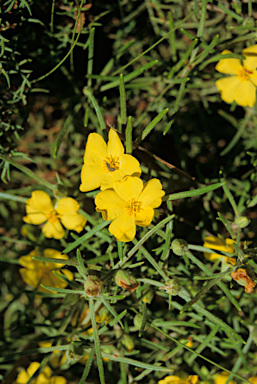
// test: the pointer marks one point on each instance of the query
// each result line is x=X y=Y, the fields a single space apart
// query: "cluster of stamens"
x=133 y=207
x=244 y=74
x=112 y=163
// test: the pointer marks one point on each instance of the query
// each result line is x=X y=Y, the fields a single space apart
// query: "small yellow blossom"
x=222 y=378
x=128 y=204
x=241 y=86
x=217 y=244
x=192 y=379
x=103 y=315
x=106 y=163
x=39 y=209
x=45 y=377
x=243 y=279
x=38 y=272
x=253 y=379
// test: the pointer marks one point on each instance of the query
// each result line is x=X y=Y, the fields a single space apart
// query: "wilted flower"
x=93 y=286
x=126 y=280
x=106 y=163
x=45 y=377
x=128 y=204
x=217 y=244
x=40 y=210
x=242 y=278
x=192 y=379
x=38 y=272
x=172 y=287
x=241 y=86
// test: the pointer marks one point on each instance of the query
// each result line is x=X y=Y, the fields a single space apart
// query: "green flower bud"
x=60 y=191
x=242 y=221
x=147 y=295
x=92 y=286
x=126 y=280
x=172 y=287
x=127 y=342
x=138 y=321
x=179 y=247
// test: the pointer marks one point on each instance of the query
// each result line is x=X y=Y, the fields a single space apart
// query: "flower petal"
x=37 y=207
x=114 y=146
x=251 y=57
x=33 y=368
x=151 y=194
x=144 y=217
x=229 y=66
x=54 y=254
x=28 y=262
x=31 y=277
x=109 y=204
x=54 y=230
x=22 y=377
x=57 y=380
x=123 y=228
x=233 y=89
x=129 y=165
x=110 y=179
x=129 y=187
x=92 y=176
x=67 y=209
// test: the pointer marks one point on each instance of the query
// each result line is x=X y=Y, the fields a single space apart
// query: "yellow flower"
x=222 y=378
x=43 y=378
x=215 y=243
x=192 y=379
x=253 y=379
x=128 y=204
x=106 y=163
x=38 y=272
x=241 y=86
x=39 y=209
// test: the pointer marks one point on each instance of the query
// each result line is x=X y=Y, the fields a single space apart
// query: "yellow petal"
x=246 y=94
x=123 y=228
x=144 y=217
x=68 y=274
x=222 y=379
x=54 y=230
x=251 y=57
x=57 y=380
x=22 y=377
x=92 y=176
x=31 y=277
x=33 y=368
x=129 y=187
x=253 y=78
x=54 y=254
x=151 y=194
x=67 y=209
x=37 y=207
x=109 y=204
x=110 y=178
x=233 y=89
x=129 y=165
x=96 y=149
x=253 y=379
x=229 y=66
x=114 y=146
x=28 y=262
x=47 y=372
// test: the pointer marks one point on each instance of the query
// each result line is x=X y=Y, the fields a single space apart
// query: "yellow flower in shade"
x=38 y=272
x=253 y=379
x=106 y=163
x=39 y=209
x=128 y=204
x=192 y=379
x=222 y=378
x=45 y=377
x=241 y=86
x=217 y=244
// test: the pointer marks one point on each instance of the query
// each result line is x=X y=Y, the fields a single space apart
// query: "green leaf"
x=123 y=109
x=63 y=290
x=96 y=106
x=88 y=366
x=194 y=192
x=129 y=146
x=151 y=126
x=62 y=133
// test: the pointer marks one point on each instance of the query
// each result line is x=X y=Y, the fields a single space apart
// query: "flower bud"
x=179 y=247
x=172 y=287
x=242 y=221
x=92 y=286
x=60 y=191
x=103 y=315
x=126 y=280
x=147 y=295
x=242 y=278
x=127 y=342
x=138 y=321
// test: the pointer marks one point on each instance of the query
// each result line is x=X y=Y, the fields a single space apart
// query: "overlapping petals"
x=222 y=378
x=217 y=244
x=192 y=379
x=39 y=209
x=45 y=377
x=106 y=163
x=128 y=204
x=36 y=272
x=241 y=85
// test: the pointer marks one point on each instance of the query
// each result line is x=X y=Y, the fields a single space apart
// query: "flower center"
x=133 y=207
x=244 y=74
x=112 y=163
x=52 y=217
